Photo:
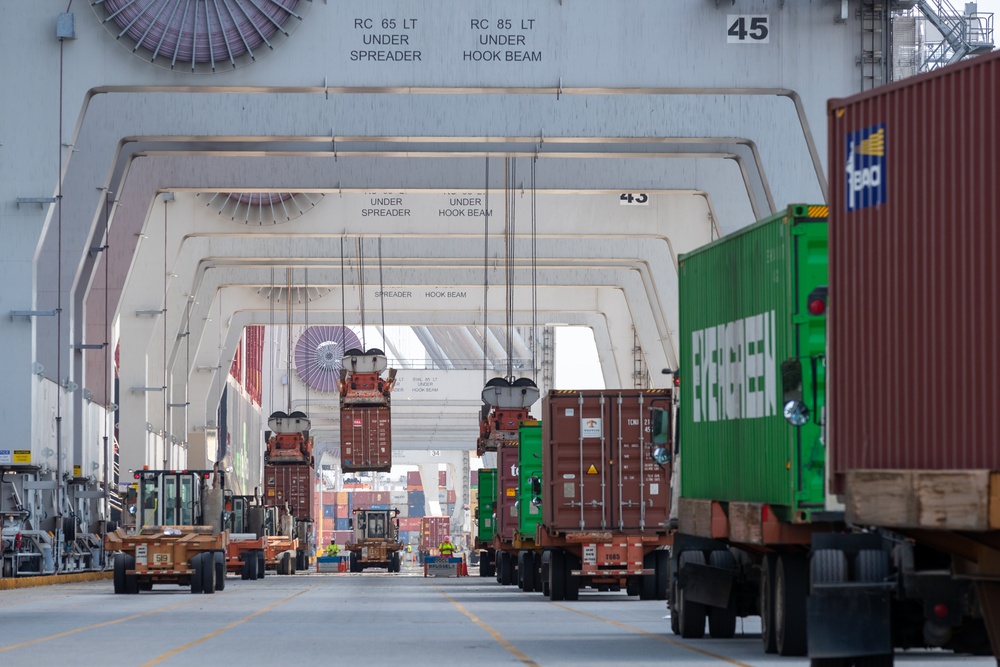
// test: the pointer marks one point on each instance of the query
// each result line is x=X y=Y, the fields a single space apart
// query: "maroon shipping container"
x=507 y=487
x=597 y=469
x=433 y=530
x=292 y=484
x=409 y=524
x=914 y=274
x=413 y=481
x=365 y=439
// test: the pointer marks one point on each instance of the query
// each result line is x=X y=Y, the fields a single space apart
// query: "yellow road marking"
x=184 y=647
x=655 y=636
x=95 y=626
x=493 y=633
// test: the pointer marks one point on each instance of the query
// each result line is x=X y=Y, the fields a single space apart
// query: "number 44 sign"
x=746 y=29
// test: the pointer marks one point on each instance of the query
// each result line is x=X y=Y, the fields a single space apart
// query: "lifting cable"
x=486 y=269
x=361 y=289
x=381 y=291
x=270 y=388
x=343 y=302
x=534 y=274
x=288 y=333
x=305 y=293
x=510 y=173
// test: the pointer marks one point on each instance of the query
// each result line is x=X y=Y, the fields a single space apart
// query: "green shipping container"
x=529 y=464
x=744 y=310
x=485 y=523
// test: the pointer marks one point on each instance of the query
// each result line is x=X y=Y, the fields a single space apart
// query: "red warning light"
x=817 y=307
x=816 y=302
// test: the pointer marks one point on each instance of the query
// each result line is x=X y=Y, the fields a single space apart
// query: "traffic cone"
x=342 y=566
x=465 y=568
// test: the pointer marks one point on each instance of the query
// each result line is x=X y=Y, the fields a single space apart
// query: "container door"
x=580 y=478
x=640 y=486
x=811 y=266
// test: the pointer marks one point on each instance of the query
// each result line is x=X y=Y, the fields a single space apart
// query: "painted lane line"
x=184 y=647
x=493 y=633
x=96 y=625
x=653 y=635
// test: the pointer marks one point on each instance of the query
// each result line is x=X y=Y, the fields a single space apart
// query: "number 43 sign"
x=746 y=29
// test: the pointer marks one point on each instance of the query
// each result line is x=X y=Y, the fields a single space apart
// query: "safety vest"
x=332 y=550
x=446 y=548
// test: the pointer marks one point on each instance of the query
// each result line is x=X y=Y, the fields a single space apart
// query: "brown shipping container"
x=365 y=439
x=413 y=481
x=914 y=273
x=507 y=487
x=596 y=465
x=292 y=484
x=433 y=530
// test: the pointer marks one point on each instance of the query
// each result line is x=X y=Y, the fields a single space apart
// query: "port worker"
x=446 y=548
x=333 y=549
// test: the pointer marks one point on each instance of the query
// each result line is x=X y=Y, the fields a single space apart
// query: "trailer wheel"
x=208 y=573
x=261 y=565
x=119 y=576
x=766 y=602
x=498 y=573
x=285 y=564
x=722 y=622
x=144 y=585
x=536 y=570
x=872 y=566
x=543 y=572
x=526 y=571
x=507 y=569
x=197 y=576
x=791 y=586
x=352 y=561
x=675 y=622
x=573 y=583
x=827 y=566
x=690 y=615
x=647 y=583
x=395 y=562
x=293 y=563
x=484 y=563
x=557 y=575
x=632 y=586
x=662 y=563
x=220 y=572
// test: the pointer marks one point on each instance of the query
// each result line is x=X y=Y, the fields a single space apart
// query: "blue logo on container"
x=866 y=167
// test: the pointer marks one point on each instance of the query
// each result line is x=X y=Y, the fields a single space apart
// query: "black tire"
x=543 y=572
x=285 y=566
x=662 y=574
x=484 y=563
x=245 y=569
x=197 y=576
x=690 y=615
x=536 y=571
x=293 y=563
x=675 y=624
x=557 y=576
x=827 y=566
x=572 y=582
x=119 y=575
x=791 y=587
x=526 y=572
x=722 y=622
x=208 y=573
x=766 y=602
x=261 y=565
x=144 y=585
x=871 y=566
x=632 y=586
x=353 y=562
x=509 y=570
x=220 y=571
x=647 y=583
x=520 y=569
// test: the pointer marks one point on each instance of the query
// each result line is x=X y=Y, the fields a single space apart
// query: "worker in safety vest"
x=446 y=548
x=333 y=549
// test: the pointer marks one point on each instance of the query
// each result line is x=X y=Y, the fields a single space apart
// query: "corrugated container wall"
x=743 y=311
x=485 y=523
x=292 y=484
x=433 y=530
x=365 y=439
x=598 y=473
x=506 y=492
x=915 y=195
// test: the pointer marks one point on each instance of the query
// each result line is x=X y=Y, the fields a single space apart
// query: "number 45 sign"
x=746 y=29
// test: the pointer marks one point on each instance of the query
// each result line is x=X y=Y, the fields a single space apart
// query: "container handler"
x=376 y=540
x=245 y=523
x=289 y=472
x=179 y=536
x=605 y=491
x=486 y=522
x=365 y=425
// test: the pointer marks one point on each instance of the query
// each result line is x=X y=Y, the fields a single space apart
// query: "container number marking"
x=161 y=559
x=590 y=554
x=747 y=29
